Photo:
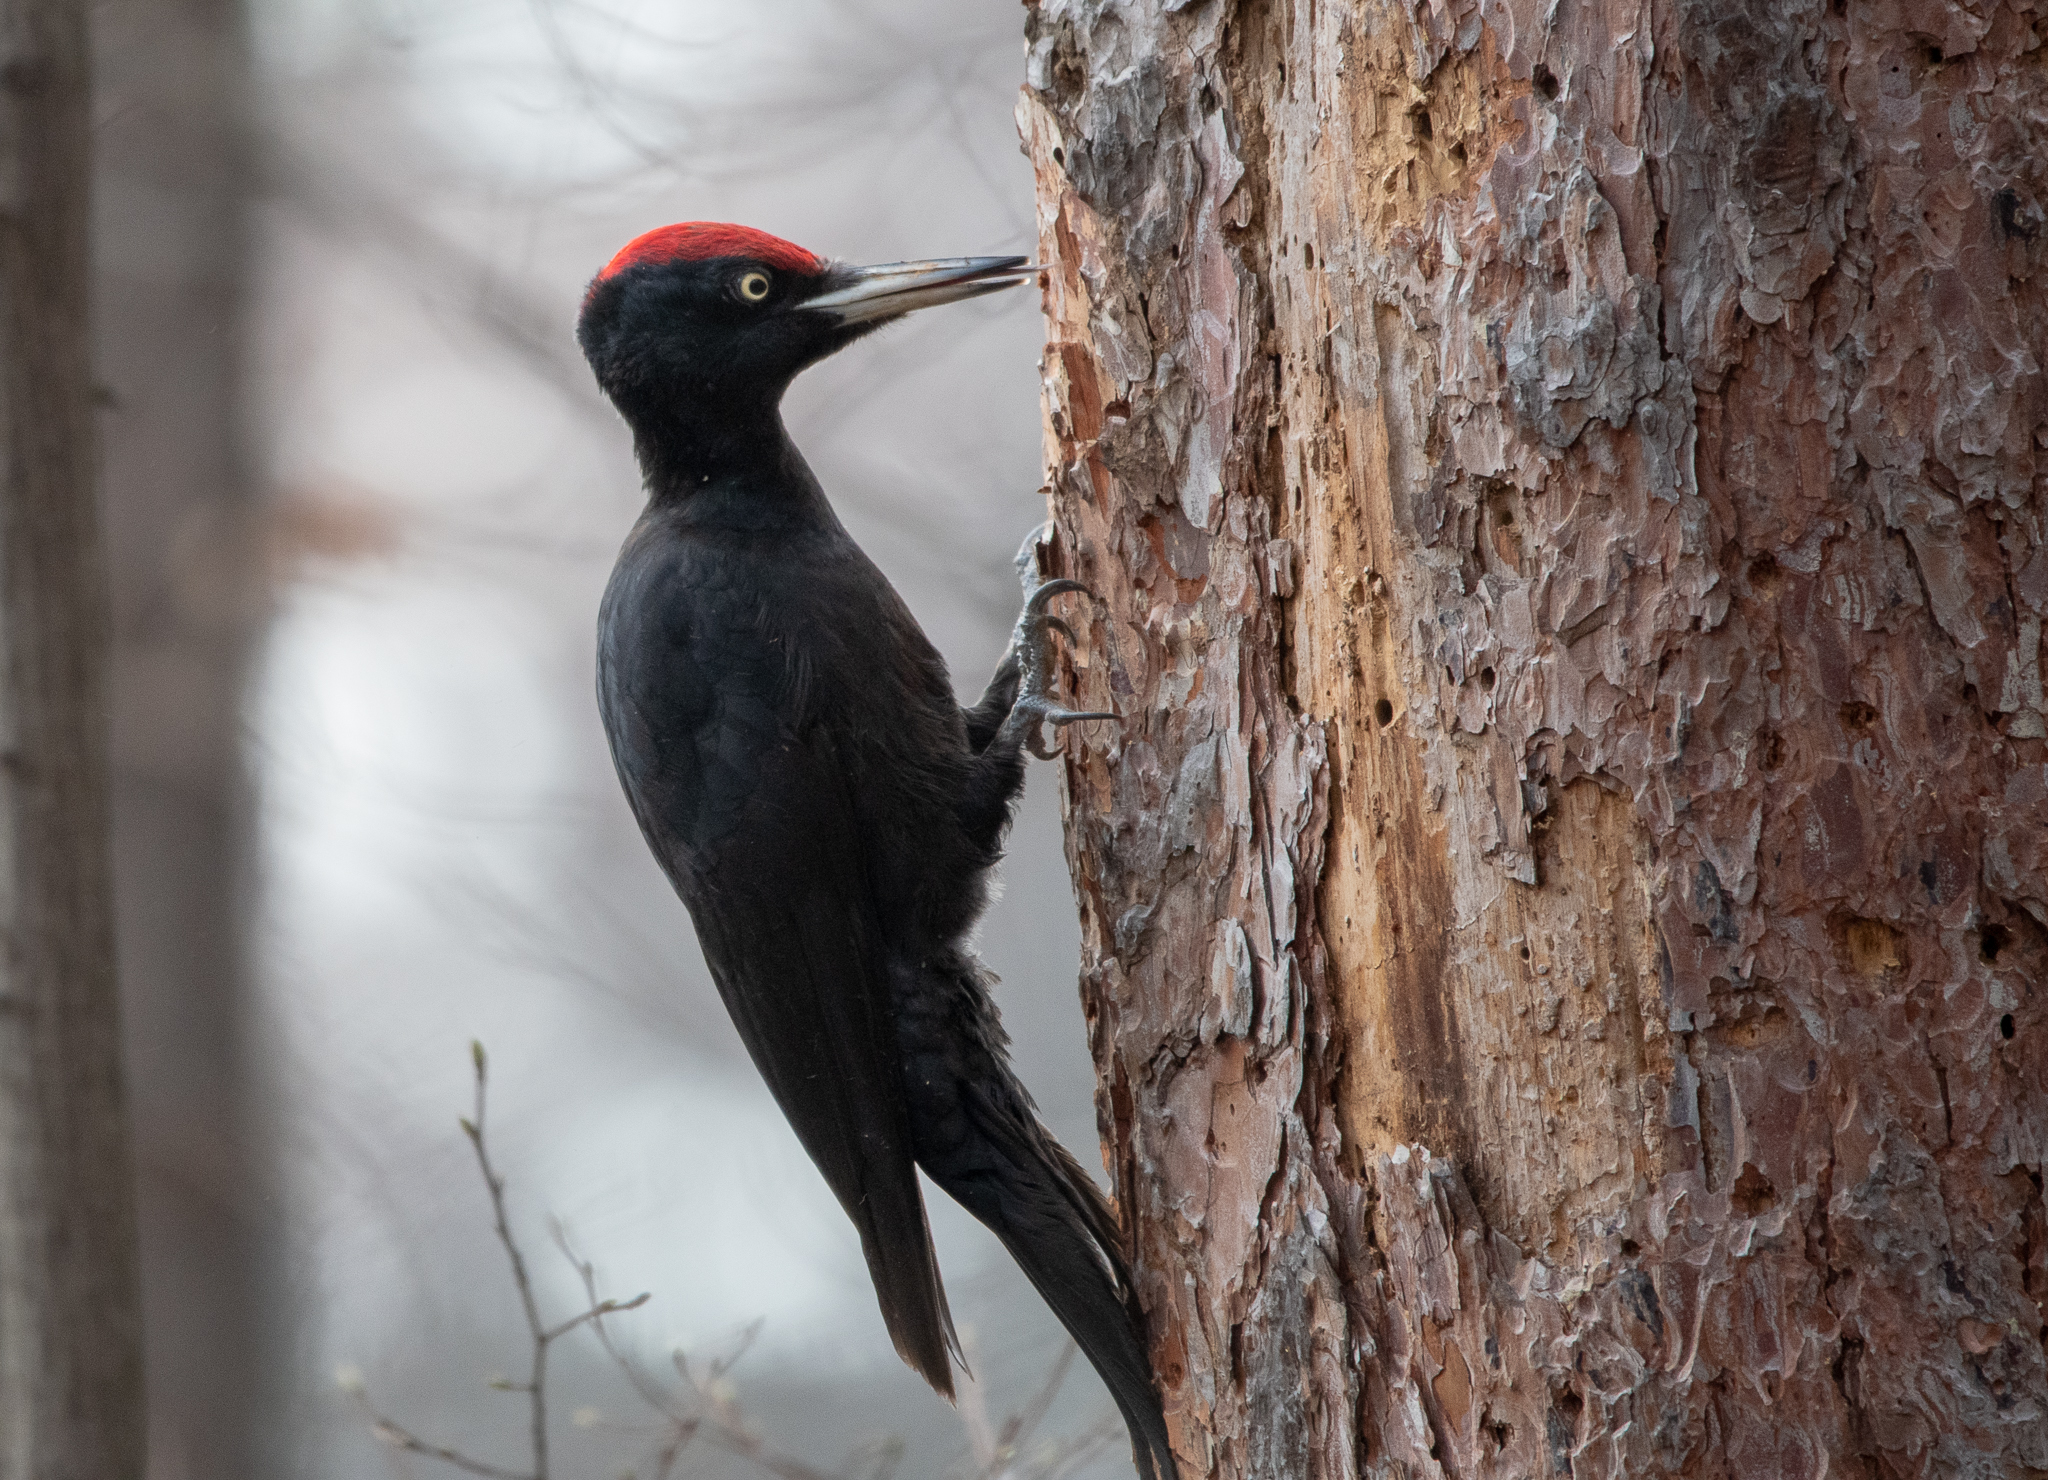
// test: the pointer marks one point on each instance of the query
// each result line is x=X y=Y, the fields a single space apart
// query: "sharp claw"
x=1036 y=604
x=1038 y=713
x=1034 y=709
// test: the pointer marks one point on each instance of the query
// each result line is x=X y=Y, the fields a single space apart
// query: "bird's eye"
x=753 y=286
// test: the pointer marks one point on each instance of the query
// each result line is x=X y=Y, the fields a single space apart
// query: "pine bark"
x=70 y=1364
x=1565 y=916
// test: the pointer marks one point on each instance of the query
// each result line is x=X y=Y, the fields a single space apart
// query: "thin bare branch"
x=972 y=1405
x=707 y=1408
x=399 y=1437
x=1018 y=1428
x=595 y=1313
x=649 y=1392
x=722 y=1365
x=537 y=1387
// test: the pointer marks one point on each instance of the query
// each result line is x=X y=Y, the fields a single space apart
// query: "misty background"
x=362 y=499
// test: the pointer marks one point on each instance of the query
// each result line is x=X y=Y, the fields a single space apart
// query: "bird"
x=791 y=746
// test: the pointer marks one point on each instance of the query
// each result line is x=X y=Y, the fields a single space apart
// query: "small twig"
x=651 y=1395
x=666 y=1458
x=973 y=1407
x=718 y=1418
x=1018 y=1427
x=536 y=1388
x=722 y=1365
x=596 y=1313
x=876 y=1461
x=399 y=1437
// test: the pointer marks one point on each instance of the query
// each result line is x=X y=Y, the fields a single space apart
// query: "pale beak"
x=893 y=288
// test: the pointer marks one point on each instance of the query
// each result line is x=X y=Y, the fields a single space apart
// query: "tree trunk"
x=70 y=1365
x=1566 y=913
x=172 y=278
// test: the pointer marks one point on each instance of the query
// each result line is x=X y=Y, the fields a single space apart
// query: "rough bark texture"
x=70 y=1362
x=1566 y=916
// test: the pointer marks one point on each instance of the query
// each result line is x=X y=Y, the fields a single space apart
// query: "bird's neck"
x=726 y=462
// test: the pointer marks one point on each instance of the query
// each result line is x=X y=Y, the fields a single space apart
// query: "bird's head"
x=725 y=315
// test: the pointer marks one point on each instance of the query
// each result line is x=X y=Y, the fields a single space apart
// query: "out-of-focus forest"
x=362 y=498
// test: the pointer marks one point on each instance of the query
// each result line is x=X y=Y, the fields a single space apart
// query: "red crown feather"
x=694 y=241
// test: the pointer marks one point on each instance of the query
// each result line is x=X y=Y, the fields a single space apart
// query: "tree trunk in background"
x=173 y=268
x=70 y=1355
x=1565 y=921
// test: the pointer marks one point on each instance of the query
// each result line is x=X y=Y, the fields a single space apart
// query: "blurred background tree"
x=70 y=1358
x=174 y=272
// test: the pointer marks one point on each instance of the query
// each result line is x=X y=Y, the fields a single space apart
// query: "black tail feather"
x=978 y=1137
x=1035 y=1198
x=905 y=1274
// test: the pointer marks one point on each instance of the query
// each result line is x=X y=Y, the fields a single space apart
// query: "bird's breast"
x=758 y=705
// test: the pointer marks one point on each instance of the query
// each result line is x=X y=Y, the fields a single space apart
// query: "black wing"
x=748 y=811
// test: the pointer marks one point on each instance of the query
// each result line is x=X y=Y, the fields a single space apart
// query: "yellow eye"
x=754 y=286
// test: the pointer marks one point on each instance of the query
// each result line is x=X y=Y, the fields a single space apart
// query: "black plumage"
x=828 y=811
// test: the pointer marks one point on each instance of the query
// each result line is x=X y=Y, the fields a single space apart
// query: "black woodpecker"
x=791 y=745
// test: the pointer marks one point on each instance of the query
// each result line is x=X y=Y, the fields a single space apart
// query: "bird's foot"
x=1035 y=706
